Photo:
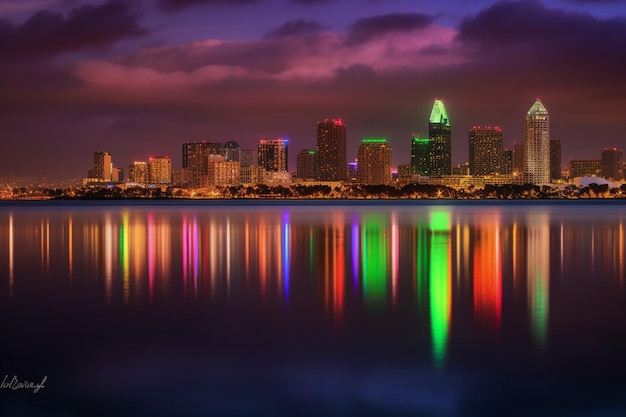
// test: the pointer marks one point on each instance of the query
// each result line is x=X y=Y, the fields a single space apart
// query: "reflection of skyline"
x=432 y=259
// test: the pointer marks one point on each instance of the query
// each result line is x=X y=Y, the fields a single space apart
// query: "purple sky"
x=140 y=78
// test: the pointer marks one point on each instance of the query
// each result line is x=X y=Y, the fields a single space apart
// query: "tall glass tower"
x=440 y=136
x=537 y=145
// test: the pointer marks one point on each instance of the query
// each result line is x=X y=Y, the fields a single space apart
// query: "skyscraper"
x=138 y=173
x=486 y=152
x=102 y=166
x=273 y=155
x=420 y=156
x=537 y=145
x=374 y=162
x=555 y=160
x=518 y=159
x=440 y=136
x=195 y=160
x=612 y=163
x=160 y=170
x=331 y=150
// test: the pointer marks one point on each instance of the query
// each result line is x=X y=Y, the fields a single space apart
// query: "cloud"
x=48 y=33
x=310 y=2
x=368 y=28
x=297 y=27
x=178 y=5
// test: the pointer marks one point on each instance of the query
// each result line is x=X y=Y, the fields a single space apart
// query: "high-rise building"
x=227 y=173
x=420 y=156
x=374 y=162
x=585 y=168
x=440 y=136
x=612 y=161
x=138 y=172
x=537 y=145
x=306 y=164
x=195 y=160
x=273 y=155
x=486 y=152
x=331 y=150
x=555 y=160
x=212 y=167
x=160 y=170
x=352 y=170
x=232 y=151
x=518 y=159
x=102 y=166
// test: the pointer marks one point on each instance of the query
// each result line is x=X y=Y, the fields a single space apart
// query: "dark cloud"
x=370 y=27
x=310 y=2
x=177 y=5
x=48 y=33
x=297 y=27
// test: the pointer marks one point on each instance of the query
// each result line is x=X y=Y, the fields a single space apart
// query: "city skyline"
x=143 y=78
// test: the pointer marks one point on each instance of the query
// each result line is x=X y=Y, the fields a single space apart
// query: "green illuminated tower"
x=440 y=136
x=420 y=156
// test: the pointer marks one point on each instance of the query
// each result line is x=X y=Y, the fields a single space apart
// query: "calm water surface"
x=361 y=309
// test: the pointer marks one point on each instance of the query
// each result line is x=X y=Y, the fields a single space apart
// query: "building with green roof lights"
x=420 y=156
x=374 y=162
x=440 y=135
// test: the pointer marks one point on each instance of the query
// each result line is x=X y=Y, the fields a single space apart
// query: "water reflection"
x=435 y=260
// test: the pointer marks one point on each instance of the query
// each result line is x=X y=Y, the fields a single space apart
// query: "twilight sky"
x=139 y=78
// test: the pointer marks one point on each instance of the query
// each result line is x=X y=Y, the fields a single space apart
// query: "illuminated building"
x=195 y=161
x=212 y=162
x=232 y=151
x=440 y=136
x=462 y=169
x=102 y=166
x=306 y=164
x=585 y=168
x=331 y=150
x=138 y=172
x=612 y=161
x=420 y=156
x=486 y=153
x=273 y=155
x=160 y=170
x=537 y=145
x=252 y=175
x=227 y=173
x=374 y=166
x=555 y=159
x=352 y=170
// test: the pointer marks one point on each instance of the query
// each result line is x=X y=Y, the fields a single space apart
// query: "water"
x=466 y=309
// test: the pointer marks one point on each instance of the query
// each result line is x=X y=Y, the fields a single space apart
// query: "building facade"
x=517 y=161
x=102 y=167
x=585 y=168
x=420 y=156
x=160 y=170
x=138 y=173
x=440 y=136
x=331 y=150
x=555 y=160
x=374 y=162
x=537 y=145
x=612 y=162
x=486 y=151
x=306 y=165
x=195 y=161
x=273 y=155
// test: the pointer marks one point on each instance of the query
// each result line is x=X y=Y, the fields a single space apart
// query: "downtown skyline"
x=142 y=79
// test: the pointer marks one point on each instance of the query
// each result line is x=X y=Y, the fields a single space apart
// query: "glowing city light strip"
x=395 y=251
x=70 y=249
x=108 y=258
x=355 y=252
x=124 y=255
x=151 y=259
